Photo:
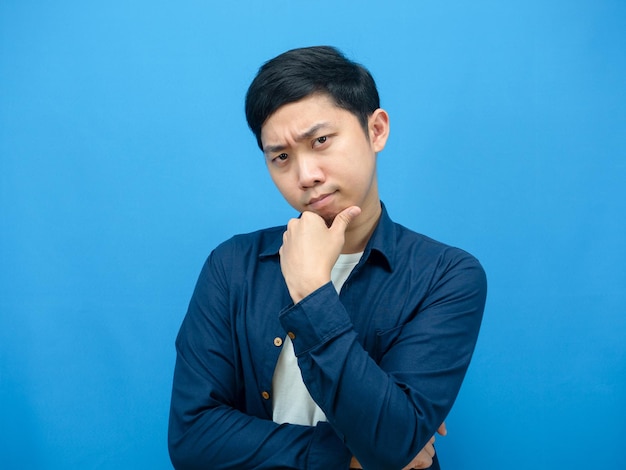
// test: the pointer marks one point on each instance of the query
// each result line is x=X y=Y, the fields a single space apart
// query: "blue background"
x=125 y=158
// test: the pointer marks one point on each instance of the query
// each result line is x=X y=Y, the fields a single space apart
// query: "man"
x=341 y=340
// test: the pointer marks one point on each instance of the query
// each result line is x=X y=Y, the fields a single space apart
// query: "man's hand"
x=310 y=250
x=424 y=459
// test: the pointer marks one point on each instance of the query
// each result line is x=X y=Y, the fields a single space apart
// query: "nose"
x=309 y=172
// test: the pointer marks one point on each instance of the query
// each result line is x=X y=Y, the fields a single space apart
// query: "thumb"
x=343 y=219
x=442 y=429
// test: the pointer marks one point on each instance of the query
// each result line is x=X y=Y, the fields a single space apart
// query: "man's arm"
x=386 y=411
x=207 y=425
x=424 y=459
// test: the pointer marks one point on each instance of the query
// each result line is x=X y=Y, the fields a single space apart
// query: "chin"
x=329 y=219
x=328 y=215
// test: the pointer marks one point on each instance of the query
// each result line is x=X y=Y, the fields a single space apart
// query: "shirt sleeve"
x=208 y=426
x=387 y=410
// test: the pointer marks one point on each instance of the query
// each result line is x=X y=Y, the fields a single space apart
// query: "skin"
x=324 y=165
x=424 y=459
x=323 y=162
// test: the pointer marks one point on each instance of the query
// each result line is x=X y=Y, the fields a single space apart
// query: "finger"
x=354 y=463
x=343 y=219
x=421 y=460
x=429 y=449
x=442 y=429
x=424 y=463
x=424 y=459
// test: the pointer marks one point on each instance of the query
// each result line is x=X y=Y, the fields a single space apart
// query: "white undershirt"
x=292 y=402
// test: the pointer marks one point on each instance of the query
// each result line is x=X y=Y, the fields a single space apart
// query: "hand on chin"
x=328 y=216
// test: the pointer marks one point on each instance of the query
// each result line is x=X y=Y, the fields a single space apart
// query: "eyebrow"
x=303 y=136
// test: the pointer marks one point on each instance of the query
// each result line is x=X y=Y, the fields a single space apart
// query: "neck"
x=360 y=231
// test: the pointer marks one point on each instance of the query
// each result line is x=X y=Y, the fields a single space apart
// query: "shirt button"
x=265 y=395
x=278 y=341
x=291 y=335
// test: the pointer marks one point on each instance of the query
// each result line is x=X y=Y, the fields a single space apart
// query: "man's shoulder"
x=425 y=248
x=264 y=241
x=258 y=236
x=405 y=246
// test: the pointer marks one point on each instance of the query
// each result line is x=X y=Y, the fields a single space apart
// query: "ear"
x=378 y=126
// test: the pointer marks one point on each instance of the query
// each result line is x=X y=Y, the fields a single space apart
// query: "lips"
x=318 y=199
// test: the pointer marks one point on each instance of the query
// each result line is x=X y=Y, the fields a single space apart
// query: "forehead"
x=300 y=117
x=308 y=106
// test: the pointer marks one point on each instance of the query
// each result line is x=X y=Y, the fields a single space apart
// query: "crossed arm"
x=424 y=459
x=210 y=426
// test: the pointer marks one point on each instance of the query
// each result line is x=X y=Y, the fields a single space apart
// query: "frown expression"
x=320 y=157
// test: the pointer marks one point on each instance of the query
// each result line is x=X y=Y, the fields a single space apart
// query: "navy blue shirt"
x=384 y=359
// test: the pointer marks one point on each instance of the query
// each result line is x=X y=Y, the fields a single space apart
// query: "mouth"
x=319 y=200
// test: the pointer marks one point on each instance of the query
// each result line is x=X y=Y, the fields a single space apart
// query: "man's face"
x=320 y=158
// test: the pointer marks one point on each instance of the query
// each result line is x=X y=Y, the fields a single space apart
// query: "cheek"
x=284 y=185
x=361 y=177
x=359 y=167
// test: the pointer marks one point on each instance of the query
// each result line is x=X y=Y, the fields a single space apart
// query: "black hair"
x=302 y=72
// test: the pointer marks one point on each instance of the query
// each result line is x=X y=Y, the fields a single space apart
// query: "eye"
x=280 y=159
x=320 y=140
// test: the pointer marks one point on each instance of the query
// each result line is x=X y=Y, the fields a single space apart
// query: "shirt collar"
x=382 y=245
x=380 y=248
x=273 y=244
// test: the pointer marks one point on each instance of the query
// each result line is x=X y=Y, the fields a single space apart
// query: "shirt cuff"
x=316 y=319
